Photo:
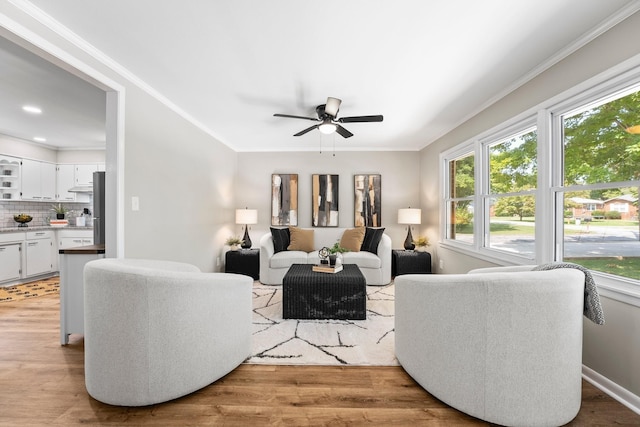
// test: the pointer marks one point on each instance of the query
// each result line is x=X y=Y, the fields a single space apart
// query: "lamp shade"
x=409 y=216
x=246 y=216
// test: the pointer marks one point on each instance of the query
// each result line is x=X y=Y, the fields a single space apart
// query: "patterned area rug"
x=30 y=290
x=278 y=341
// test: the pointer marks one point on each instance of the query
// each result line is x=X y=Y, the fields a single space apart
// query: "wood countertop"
x=83 y=250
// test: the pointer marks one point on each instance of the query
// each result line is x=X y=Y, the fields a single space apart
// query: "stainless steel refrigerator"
x=98 y=208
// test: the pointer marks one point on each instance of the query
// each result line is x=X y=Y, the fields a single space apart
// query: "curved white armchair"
x=158 y=330
x=502 y=346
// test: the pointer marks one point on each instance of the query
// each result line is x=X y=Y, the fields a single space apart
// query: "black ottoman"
x=307 y=294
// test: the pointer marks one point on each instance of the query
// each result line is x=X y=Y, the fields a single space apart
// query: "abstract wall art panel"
x=324 y=193
x=284 y=199
x=368 y=207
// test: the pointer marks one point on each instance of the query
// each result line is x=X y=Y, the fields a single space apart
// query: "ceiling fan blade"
x=360 y=119
x=302 y=132
x=332 y=106
x=342 y=131
x=295 y=117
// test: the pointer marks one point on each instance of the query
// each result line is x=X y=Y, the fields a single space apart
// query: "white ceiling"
x=425 y=65
x=73 y=111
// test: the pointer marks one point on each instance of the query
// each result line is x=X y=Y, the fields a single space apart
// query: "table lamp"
x=409 y=216
x=246 y=216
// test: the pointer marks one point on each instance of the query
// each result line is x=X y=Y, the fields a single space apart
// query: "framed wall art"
x=324 y=194
x=284 y=199
x=368 y=207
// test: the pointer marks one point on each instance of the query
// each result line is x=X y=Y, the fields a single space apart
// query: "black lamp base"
x=408 y=242
x=246 y=241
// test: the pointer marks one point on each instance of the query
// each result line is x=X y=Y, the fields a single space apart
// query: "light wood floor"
x=42 y=383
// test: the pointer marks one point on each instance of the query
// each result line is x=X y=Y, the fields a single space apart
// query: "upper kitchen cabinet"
x=84 y=174
x=66 y=180
x=9 y=178
x=38 y=180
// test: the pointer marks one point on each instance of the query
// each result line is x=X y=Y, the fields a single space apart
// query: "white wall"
x=612 y=350
x=25 y=149
x=399 y=179
x=184 y=181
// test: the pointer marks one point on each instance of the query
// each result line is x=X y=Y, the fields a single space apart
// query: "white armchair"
x=504 y=346
x=158 y=330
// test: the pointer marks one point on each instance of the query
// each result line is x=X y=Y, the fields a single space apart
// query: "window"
x=561 y=187
x=600 y=162
x=460 y=198
x=510 y=199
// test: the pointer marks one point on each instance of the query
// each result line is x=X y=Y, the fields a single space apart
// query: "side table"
x=243 y=261
x=410 y=262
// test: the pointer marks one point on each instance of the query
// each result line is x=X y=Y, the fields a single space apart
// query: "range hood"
x=81 y=189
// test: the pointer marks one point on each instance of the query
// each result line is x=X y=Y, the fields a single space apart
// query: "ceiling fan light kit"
x=327 y=127
x=328 y=121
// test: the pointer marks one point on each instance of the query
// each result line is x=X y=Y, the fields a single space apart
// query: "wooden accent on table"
x=42 y=383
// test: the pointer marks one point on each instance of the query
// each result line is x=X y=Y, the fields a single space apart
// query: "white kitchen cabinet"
x=72 y=264
x=38 y=252
x=84 y=174
x=65 y=180
x=10 y=262
x=38 y=180
x=74 y=238
x=48 y=181
x=9 y=178
x=30 y=180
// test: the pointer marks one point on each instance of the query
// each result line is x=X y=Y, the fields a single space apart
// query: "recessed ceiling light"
x=39 y=139
x=32 y=109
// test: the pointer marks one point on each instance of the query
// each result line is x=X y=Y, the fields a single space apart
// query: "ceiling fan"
x=328 y=121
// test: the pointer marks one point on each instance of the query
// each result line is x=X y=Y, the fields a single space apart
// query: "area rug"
x=278 y=341
x=30 y=290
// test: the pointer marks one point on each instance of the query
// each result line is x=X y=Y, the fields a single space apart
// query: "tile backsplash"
x=40 y=211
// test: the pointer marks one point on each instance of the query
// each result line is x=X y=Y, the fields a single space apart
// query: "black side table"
x=410 y=262
x=243 y=261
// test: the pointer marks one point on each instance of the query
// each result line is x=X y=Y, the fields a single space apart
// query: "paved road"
x=591 y=241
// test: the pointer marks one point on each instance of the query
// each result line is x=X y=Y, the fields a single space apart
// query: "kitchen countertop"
x=39 y=228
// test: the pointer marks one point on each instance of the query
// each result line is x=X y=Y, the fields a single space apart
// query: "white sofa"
x=158 y=330
x=503 y=345
x=376 y=268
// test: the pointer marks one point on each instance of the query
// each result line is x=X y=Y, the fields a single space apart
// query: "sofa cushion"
x=363 y=259
x=286 y=259
x=371 y=240
x=280 y=239
x=300 y=239
x=352 y=239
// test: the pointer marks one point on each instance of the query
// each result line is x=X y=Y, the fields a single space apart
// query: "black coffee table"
x=307 y=294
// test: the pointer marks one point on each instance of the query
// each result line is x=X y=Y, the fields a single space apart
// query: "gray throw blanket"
x=592 y=306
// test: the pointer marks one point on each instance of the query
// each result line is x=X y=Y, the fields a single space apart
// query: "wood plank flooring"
x=42 y=383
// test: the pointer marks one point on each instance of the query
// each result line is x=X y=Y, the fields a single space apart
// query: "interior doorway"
x=113 y=123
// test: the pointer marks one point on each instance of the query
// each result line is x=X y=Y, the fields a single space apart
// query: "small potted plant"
x=60 y=210
x=234 y=242
x=421 y=243
x=335 y=252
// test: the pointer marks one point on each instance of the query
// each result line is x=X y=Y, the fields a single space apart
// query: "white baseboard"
x=614 y=390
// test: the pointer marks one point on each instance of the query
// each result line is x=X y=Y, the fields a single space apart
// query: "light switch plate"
x=135 y=203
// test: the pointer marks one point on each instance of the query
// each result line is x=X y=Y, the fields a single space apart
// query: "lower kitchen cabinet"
x=10 y=261
x=25 y=255
x=39 y=252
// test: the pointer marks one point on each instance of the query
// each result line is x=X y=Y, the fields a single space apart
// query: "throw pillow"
x=371 y=240
x=301 y=240
x=352 y=239
x=280 y=239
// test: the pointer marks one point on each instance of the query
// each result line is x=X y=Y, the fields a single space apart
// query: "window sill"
x=610 y=286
